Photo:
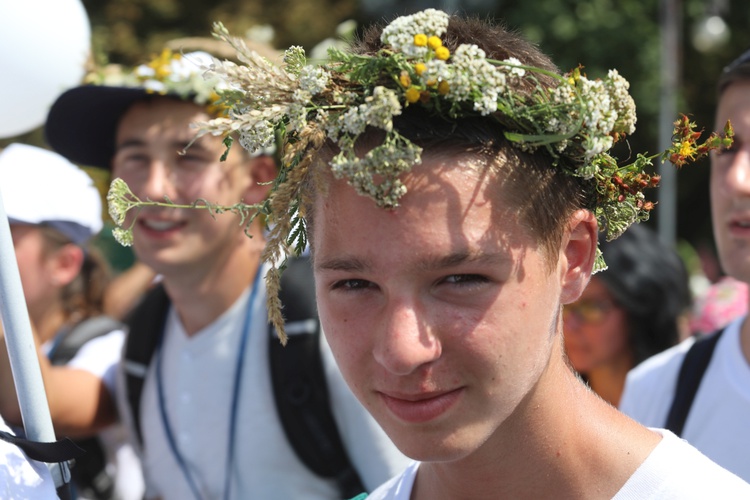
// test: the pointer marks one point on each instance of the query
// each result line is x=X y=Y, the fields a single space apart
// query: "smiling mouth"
x=421 y=408
x=160 y=225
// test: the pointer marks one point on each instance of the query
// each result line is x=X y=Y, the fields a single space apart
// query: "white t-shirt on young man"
x=674 y=470
x=718 y=423
x=198 y=378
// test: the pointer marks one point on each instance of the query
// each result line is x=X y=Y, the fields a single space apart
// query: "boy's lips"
x=161 y=225
x=420 y=407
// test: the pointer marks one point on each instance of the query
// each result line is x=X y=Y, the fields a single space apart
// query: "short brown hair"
x=737 y=70
x=542 y=192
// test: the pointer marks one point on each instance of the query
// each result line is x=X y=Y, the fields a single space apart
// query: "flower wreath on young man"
x=300 y=106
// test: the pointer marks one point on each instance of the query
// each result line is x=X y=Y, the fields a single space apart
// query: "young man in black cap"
x=207 y=417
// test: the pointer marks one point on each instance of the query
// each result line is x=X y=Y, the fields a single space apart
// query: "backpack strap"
x=693 y=367
x=71 y=340
x=299 y=383
x=54 y=452
x=146 y=324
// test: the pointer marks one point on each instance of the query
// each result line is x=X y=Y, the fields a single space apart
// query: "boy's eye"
x=133 y=159
x=352 y=284
x=462 y=279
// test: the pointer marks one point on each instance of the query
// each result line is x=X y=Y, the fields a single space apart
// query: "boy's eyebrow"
x=354 y=264
x=463 y=257
x=178 y=145
x=351 y=264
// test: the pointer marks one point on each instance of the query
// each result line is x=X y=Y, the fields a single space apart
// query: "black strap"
x=63 y=450
x=299 y=384
x=693 y=367
x=146 y=324
x=54 y=452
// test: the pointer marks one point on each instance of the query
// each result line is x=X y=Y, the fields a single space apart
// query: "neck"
x=200 y=299
x=562 y=442
x=47 y=321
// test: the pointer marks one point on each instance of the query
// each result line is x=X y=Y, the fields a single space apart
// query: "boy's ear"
x=263 y=171
x=578 y=254
x=66 y=264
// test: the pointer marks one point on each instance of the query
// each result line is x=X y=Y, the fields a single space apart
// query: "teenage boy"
x=451 y=201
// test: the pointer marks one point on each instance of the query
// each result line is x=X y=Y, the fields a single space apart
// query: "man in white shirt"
x=716 y=421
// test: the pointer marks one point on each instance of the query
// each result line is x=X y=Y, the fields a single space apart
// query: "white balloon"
x=44 y=46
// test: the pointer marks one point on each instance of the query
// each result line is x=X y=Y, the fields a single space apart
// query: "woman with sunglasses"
x=627 y=313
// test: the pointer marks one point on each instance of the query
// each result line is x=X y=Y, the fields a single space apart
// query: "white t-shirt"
x=674 y=470
x=198 y=377
x=21 y=478
x=719 y=420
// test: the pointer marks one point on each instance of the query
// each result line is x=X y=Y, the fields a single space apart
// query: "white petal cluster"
x=513 y=68
x=258 y=137
x=378 y=110
x=385 y=162
x=476 y=79
x=623 y=103
x=400 y=33
x=313 y=79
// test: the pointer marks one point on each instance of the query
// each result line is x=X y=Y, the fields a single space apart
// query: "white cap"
x=42 y=187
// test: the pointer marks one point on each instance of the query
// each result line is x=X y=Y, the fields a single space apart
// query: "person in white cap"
x=54 y=209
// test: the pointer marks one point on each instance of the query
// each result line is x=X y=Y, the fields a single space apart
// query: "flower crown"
x=299 y=106
x=169 y=73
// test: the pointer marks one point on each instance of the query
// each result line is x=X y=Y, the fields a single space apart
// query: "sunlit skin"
x=600 y=350
x=196 y=253
x=40 y=285
x=730 y=191
x=444 y=316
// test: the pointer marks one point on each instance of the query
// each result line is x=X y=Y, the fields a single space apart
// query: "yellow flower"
x=412 y=95
x=431 y=82
x=687 y=149
x=161 y=64
x=444 y=87
x=442 y=53
x=420 y=68
x=434 y=42
x=404 y=79
x=420 y=40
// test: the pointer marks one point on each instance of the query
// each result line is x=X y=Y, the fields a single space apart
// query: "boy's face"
x=442 y=314
x=730 y=184
x=150 y=139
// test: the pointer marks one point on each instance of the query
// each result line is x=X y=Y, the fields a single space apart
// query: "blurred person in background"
x=54 y=210
x=700 y=389
x=634 y=309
